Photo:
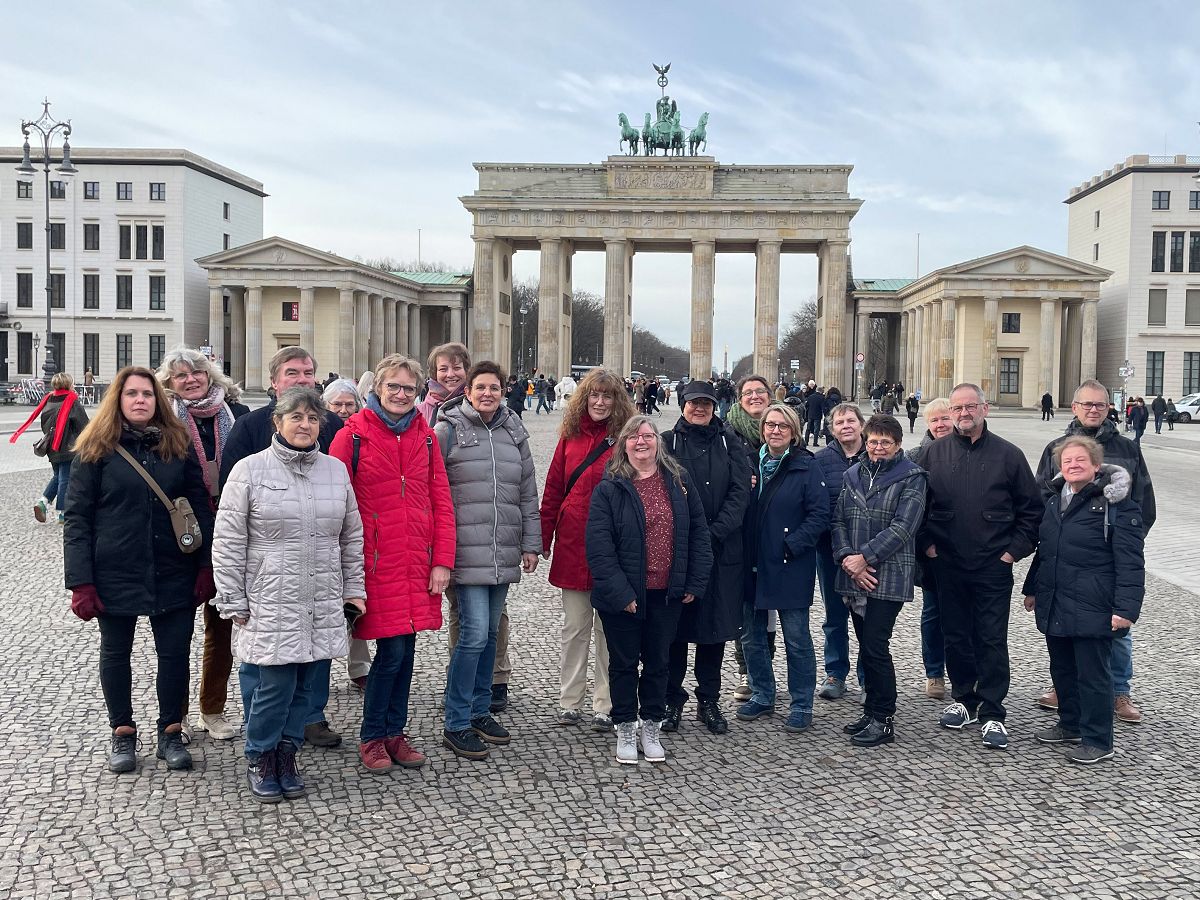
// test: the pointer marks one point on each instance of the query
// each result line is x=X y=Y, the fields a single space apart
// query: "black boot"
x=170 y=748
x=123 y=757
x=710 y=714
x=857 y=725
x=263 y=778
x=499 y=698
x=291 y=782
x=674 y=714
x=876 y=733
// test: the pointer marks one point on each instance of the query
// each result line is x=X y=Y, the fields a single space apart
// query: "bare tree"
x=742 y=367
x=395 y=264
x=587 y=329
x=799 y=341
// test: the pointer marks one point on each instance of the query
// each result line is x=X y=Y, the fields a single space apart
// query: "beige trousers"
x=358 y=663
x=503 y=668
x=579 y=619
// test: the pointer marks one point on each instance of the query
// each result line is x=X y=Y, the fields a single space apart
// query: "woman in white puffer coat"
x=287 y=555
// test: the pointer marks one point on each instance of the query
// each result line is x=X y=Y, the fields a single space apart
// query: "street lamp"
x=46 y=127
x=37 y=342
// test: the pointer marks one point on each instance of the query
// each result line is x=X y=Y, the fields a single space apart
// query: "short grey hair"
x=967 y=385
x=935 y=406
x=287 y=354
x=1090 y=385
x=299 y=398
x=195 y=361
x=342 y=386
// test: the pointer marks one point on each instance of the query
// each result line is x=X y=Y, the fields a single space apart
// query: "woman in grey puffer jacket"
x=287 y=554
x=494 y=488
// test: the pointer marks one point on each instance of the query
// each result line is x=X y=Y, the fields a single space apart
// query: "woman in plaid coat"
x=875 y=526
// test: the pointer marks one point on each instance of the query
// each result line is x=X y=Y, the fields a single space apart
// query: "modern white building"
x=125 y=235
x=1141 y=220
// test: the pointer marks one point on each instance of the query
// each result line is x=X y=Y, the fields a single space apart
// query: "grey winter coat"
x=288 y=552
x=494 y=488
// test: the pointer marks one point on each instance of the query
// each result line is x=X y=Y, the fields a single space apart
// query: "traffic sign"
x=860 y=357
x=794 y=364
x=1125 y=371
x=859 y=366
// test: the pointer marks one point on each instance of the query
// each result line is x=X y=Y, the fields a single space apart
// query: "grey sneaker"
x=832 y=689
x=627 y=743
x=1056 y=735
x=1086 y=755
x=569 y=717
x=601 y=722
x=742 y=692
x=956 y=715
x=994 y=735
x=652 y=747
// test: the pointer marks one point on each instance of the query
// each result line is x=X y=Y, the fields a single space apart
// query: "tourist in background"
x=1172 y=414
x=515 y=395
x=62 y=419
x=912 y=406
x=1138 y=417
x=814 y=410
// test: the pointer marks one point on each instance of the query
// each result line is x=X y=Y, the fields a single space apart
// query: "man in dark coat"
x=815 y=416
x=1047 y=407
x=711 y=452
x=1158 y=406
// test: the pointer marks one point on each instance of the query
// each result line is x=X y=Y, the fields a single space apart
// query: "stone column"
x=549 y=306
x=766 y=309
x=389 y=325
x=567 y=323
x=1046 y=356
x=402 y=327
x=933 y=318
x=991 y=365
x=946 y=368
x=346 y=357
x=483 y=304
x=703 y=275
x=616 y=261
x=456 y=322
x=254 y=356
x=378 y=324
x=1087 y=346
x=415 y=343
x=914 y=334
x=1069 y=350
x=918 y=354
x=833 y=361
x=308 y=319
x=237 y=335
x=362 y=334
x=216 y=323
x=862 y=344
x=902 y=369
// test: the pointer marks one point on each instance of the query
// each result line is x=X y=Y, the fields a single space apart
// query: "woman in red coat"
x=408 y=540
x=594 y=416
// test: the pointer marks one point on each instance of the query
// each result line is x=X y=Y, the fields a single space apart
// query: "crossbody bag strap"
x=149 y=479
x=596 y=453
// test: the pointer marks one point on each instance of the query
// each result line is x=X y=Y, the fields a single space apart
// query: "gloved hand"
x=205 y=588
x=85 y=602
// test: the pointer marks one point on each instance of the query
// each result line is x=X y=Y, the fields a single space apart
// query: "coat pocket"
x=998 y=515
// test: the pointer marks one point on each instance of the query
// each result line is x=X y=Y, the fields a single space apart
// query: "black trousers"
x=1082 y=674
x=647 y=641
x=707 y=670
x=874 y=632
x=975 y=606
x=172 y=644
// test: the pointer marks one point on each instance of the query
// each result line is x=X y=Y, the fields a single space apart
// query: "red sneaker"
x=375 y=757
x=403 y=753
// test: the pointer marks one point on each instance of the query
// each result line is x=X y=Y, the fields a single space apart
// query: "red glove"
x=205 y=588
x=85 y=602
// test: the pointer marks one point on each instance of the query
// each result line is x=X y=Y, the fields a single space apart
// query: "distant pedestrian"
x=62 y=421
x=1047 y=407
x=1138 y=417
x=1172 y=414
x=912 y=406
x=1158 y=406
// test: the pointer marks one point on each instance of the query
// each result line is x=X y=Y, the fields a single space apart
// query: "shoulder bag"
x=183 y=521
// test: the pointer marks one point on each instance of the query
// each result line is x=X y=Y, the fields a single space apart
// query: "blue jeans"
x=277 y=701
x=469 y=679
x=56 y=489
x=801 y=658
x=385 y=698
x=320 y=691
x=933 y=644
x=1122 y=663
x=723 y=409
x=837 y=617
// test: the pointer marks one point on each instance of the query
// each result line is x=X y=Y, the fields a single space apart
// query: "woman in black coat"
x=650 y=554
x=1085 y=588
x=63 y=419
x=122 y=558
x=712 y=454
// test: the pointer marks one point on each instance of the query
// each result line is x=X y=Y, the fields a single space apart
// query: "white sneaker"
x=627 y=743
x=218 y=727
x=652 y=748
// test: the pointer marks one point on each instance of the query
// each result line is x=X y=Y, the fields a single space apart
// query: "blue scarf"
x=768 y=465
x=395 y=426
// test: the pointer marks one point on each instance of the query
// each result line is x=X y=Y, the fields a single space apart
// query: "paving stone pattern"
x=755 y=813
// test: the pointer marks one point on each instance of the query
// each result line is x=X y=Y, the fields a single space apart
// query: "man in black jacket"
x=1090 y=405
x=982 y=516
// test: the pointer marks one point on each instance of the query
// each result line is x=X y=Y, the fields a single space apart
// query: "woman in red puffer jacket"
x=594 y=416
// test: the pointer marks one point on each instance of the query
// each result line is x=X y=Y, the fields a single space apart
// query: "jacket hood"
x=1113 y=481
x=463 y=417
x=896 y=469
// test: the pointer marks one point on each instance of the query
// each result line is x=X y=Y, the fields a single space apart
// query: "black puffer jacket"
x=118 y=534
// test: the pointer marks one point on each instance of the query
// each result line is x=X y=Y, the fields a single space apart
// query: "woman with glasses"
x=879 y=510
x=399 y=480
x=649 y=549
x=595 y=415
x=789 y=509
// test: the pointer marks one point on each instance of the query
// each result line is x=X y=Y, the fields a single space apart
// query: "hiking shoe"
x=123 y=756
x=749 y=711
x=627 y=743
x=651 y=743
x=674 y=714
x=1048 y=700
x=218 y=727
x=1125 y=711
x=40 y=508
x=832 y=689
x=1056 y=735
x=875 y=733
x=403 y=753
x=569 y=717
x=499 y=698
x=994 y=735
x=709 y=712
x=319 y=734
x=263 y=779
x=1086 y=754
x=291 y=782
x=465 y=743
x=857 y=725
x=601 y=722
x=374 y=757
x=490 y=731
x=956 y=716
x=798 y=722
x=742 y=692
x=935 y=688
x=170 y=748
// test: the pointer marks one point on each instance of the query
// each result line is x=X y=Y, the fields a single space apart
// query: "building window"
x=1157 y=313
x=58 y=235
x=1010 y=323
x=1010 y=375
x=1154 y=372
x=1160 y=200
x=58 y=292
x=126 y=249
x=1191 y=307
x=1193 y=199
x=58 y=190
x=1191 y=373
x=225 y=211
x=1095 y=252
x=124 y=190
x=1097 y=222
x=91 y=191
x=157 y=239
x=24 y=190
x=158 y=348
x=1177 y=251
x=224 y=242
x=91 y=235
x=25 y=290
x=158 y=190
x=158 y=292
x=91 y=291
x=25 y=352
x=1158 y=252
x=291 y=311
x=124 y=350
x=141 y=231
x=91 y=352
x=24 y=235
x=1194 y=252
x=124 y=292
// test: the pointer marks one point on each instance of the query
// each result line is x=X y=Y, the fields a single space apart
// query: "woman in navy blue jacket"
x=788 y=513
x=1085 y=588
x=649 y=551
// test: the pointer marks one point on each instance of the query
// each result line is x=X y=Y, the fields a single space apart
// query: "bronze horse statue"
x=698 y=136
x=629 y=135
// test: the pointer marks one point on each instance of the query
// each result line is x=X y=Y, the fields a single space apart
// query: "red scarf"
x=60 y=424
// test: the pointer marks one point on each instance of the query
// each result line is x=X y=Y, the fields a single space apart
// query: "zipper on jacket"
x=375 y=559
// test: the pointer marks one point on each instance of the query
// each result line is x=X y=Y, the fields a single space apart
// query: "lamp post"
x=37 y=342
x=46 y=127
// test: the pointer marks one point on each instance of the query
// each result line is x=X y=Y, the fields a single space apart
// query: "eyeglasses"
x=881 y=445
x=1088 y=404
x=642 y=438
x=967 y=408
x=599 y=395
x=756 y=392
x=408 y=390
x=776 y=426
x=184 y=376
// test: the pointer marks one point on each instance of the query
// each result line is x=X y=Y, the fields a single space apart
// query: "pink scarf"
x=60 y=424
x=208 y=406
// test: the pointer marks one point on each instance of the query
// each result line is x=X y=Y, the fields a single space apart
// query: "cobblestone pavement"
x=755 y=813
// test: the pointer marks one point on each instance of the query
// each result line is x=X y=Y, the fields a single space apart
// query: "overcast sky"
x=968 y=123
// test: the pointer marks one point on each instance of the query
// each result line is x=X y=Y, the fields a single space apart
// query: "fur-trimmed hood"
x=1113 y=481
